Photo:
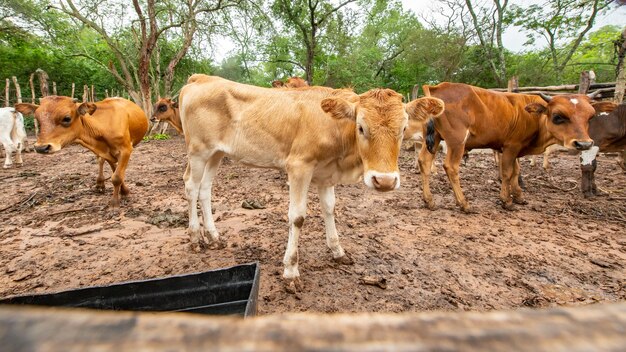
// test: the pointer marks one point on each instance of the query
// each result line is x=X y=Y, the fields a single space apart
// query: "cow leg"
x=100 y=179
x=204 y=195
x=516 y=183
x=18 y=154
x=196 y=165
x=546 y=159
x=299 y=180
x=621 y=160
x=426 y=161
x=588 y=166
x=451 y=165
x=507 y=171
x=327 y=204
x=417 y=157
x=533 y=160
x=117 y=178
x=8 y=151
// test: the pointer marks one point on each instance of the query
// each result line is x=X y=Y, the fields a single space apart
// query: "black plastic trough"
x=228 y=291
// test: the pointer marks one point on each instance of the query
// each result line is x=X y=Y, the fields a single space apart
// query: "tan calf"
x=319 y=136
x=167 y=110
x=109 y=128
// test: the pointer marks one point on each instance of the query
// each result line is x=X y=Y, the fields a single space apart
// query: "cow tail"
x=430 y=136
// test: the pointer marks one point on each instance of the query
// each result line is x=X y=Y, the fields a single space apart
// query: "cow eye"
x=558 y=119
x=66 y=120
x=163 y=108
x=361 y=131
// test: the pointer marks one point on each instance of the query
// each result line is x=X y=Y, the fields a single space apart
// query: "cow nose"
x=43 y=149
x=384 y=183
x=153 y=119
x=583 y=145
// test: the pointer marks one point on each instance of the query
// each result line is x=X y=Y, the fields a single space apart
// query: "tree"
x=558 y=22
x=132 y=64
x=309 y=18
x=489 y=24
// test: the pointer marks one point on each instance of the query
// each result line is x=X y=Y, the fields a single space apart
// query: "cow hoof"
x=600 y=193
x=520 y=201
x=430 y=205
x=6 y=166
x=100 y=188
x=588 y=195
x=344 y=260
x=19 y=165
x=293 y=286
x=508 y=206
x=219 y=244
x=468 y=210
x=114 y=203
x=197 y=247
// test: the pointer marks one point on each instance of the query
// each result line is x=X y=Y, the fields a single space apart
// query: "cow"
x=292 y=82
x=318 y=135
x=167 y=110
x=12 y=135
x=608 y=131
x=514 y=124
x=109 y=128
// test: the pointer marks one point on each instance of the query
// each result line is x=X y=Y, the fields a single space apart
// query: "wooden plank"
x=594 y=327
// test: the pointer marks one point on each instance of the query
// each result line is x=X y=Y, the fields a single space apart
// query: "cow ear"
x=175 y=105
x=339 y=108
x=423 y=108
x=26 y=109
x=86 y=108
x=536 y=108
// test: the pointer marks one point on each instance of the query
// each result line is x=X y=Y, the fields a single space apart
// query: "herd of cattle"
x=324 y=136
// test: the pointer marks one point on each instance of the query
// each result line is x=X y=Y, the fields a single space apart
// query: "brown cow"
x=167 y=110
x=319 y=135
x=109 y=128
x=292 y=82
x=515 y=124
x=608 y=131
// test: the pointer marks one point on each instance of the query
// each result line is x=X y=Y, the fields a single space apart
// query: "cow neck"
x=544 y=137
x=91 y=134
x=350 y=158
x=176 y=121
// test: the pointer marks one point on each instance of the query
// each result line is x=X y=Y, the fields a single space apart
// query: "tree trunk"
x=85 y=93
x=32 y=88
x=73 y=89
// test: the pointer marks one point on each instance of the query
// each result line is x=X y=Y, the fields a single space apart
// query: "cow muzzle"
x=382 y=182
x=582 y=145
x=153 y=119
x=43 y=149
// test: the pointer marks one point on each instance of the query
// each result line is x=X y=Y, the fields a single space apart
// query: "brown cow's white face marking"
x=381 y=119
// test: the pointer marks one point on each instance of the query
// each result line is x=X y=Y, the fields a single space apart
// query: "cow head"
x=296 y=82
x=278 y=84
x=164 y=110
x=59 y=120
x=381 y=119
x=567 y=118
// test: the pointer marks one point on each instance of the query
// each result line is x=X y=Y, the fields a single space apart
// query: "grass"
x=157 y=137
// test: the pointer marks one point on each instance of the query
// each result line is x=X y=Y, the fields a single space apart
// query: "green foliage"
x=157 y=137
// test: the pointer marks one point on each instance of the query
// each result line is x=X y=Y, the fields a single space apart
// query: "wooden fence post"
x=93 y=94
x=73 y=89
x=620 y=84
x=54 y=88
x=32 y=88
x=43 y=82
x=6 y=94
x=18 y=91
x=513 y=84
x=585 y=82
x=85 y=93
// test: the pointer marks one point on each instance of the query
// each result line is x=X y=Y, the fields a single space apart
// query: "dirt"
x=57 y=233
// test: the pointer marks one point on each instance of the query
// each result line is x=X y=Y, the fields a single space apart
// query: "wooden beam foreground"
x=596 y=327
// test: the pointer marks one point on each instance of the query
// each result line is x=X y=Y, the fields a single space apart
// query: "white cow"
x=12 y=135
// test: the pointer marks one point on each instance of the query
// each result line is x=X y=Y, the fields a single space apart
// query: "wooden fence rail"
x=599 y=327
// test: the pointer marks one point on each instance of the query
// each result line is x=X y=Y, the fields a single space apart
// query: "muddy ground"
x=57 y=233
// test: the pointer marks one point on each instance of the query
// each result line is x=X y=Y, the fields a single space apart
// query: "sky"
x=514 y=38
